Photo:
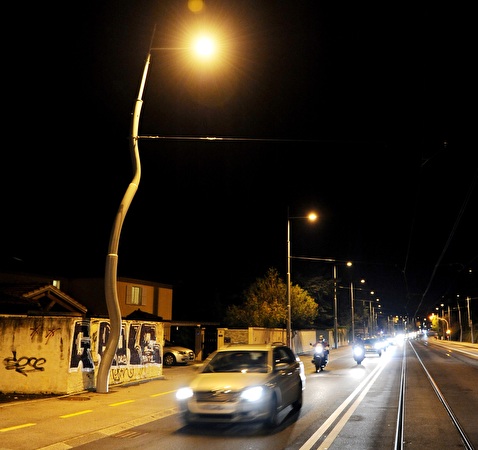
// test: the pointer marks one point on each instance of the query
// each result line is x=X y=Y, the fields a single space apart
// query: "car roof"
x=251 y=347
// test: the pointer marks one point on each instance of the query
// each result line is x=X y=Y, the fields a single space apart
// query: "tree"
x=322 y=290
x=265 y=305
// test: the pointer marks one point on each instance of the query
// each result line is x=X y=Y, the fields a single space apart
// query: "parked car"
x=175 y=354
x=373 y=345
x=244 y=383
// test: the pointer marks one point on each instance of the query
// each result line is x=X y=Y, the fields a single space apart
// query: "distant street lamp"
x=448 y=331
x=352 y=307
x=470 y=321
x=336 y=322
x=348 y=263
x=352 y=310
x=202 y=47
x=312 y=217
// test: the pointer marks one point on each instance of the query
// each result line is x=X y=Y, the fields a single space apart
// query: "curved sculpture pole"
x=111 y=294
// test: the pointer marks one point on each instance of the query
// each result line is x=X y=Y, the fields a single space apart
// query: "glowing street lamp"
x=312 y=217
x=204 y=47
x=448 y=331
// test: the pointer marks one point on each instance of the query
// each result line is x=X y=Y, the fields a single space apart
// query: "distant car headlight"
x=184 y=393
x=253 y=394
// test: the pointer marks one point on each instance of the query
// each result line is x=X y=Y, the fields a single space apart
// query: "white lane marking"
x=318 y=434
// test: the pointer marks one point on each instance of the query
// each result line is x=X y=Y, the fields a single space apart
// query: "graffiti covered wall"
x=61 y=355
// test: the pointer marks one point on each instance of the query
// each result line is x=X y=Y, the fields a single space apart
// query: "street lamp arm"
x=314 y=259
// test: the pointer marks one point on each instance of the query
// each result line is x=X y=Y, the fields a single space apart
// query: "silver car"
x=244 y=383
x=175 y=354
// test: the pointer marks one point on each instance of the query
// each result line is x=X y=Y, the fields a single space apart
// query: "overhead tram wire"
x=450 y=237
x=247 y=139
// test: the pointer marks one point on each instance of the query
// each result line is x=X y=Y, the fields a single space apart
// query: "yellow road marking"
x=121 y=403
x=76 y=414
x=161 y=393
x=16 y=427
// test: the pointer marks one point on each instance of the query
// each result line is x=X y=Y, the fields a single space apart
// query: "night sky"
x=355 y=110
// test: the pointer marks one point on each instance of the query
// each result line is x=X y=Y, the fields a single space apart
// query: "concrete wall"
x=251 y=335
x=300 y=342
x=61 y=355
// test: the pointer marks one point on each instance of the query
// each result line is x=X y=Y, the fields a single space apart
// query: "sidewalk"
x=9 y=398
x=53 y=421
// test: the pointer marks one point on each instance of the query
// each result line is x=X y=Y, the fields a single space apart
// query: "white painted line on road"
x=325 y=426
x=336 y=430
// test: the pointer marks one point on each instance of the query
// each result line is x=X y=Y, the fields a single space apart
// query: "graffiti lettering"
x=34 y=331
x=126 y=374
x=24 y=364
x=51 y=333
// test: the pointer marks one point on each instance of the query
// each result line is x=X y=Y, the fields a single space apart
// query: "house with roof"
x=52 y=342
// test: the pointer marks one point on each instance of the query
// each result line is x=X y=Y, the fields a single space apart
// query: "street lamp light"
x=312 y=217
x=448 y=331
x=204 y=48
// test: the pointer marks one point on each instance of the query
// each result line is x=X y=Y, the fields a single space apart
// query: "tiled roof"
x=35 y=299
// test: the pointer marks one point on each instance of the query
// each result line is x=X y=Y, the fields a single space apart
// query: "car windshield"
x=238 y=361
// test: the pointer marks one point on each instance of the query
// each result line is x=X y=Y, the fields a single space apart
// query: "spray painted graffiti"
x=49 y=334
x=137 y=345
x=121 y=357
x=122 y=374
x=139 y=348
x=24 y=364
x=143 y=345
x=81 y=348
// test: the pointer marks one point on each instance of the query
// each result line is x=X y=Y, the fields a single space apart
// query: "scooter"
x=320 y=358
x=359 y=353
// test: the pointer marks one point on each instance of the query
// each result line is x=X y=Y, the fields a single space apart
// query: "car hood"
x=227 y=381
x=176 y=348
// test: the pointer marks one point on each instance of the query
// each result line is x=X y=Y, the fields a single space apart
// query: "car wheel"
x=297 y=405
x=273 y=419
x=169 y=359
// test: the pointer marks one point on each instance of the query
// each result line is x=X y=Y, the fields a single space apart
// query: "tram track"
x=417 y=391
x=424 y=412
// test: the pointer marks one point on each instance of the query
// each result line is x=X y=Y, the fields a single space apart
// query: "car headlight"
x=184 y=393
x=252 y=394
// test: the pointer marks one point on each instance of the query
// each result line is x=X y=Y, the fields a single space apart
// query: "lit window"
x=134 y=295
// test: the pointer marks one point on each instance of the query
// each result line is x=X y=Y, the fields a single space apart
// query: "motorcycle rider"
x=358 y=345
x=322 y=341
